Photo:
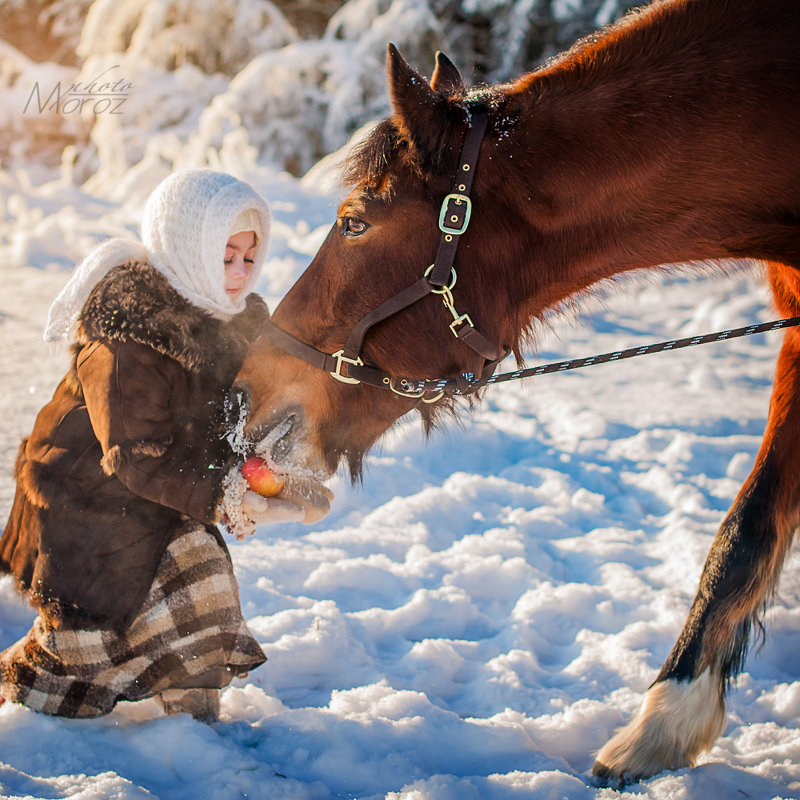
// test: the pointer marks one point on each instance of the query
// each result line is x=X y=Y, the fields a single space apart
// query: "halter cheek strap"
x=346 y=364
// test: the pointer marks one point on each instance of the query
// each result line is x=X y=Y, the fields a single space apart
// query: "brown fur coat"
x=131 y=445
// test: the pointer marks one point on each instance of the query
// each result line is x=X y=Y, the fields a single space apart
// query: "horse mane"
x=623 y=47
x=367 y=161
x=658 y=32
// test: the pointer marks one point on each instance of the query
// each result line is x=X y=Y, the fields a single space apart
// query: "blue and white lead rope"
x=472 y=383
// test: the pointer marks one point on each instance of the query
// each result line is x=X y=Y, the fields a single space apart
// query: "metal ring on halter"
x=434 y=399
x=444 y=288
x=412 y=395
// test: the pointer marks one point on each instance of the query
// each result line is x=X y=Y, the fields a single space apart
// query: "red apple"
x=261 y=478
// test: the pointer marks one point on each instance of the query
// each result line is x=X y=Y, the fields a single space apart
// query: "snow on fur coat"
x=131 y=445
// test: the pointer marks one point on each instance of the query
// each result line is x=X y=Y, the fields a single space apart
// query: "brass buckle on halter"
x=458 y=199
x=464 y=319
x=340 y=359
x=458 y=319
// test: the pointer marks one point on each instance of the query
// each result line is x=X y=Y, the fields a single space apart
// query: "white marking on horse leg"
x=677 y=721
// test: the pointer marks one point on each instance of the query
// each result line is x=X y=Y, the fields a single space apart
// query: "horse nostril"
x=277 y=435
x=281 y=436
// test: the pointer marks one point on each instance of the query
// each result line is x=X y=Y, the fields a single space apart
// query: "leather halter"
x=439 y=278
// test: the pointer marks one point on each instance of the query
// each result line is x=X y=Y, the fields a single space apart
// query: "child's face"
x=239 y=254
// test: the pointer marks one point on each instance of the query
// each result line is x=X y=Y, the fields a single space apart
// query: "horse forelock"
x=368 y=161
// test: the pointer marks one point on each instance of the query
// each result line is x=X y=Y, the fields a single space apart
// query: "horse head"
x=573 y=184
x=384 y=239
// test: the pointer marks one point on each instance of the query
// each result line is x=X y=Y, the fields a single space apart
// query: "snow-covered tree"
x=270 y=81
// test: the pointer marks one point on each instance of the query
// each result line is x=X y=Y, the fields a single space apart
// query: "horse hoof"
x=678 y=720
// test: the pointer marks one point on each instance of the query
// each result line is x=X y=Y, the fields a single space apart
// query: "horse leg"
x=684 y=710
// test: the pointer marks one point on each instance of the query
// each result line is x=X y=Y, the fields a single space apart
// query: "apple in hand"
x=261 y=478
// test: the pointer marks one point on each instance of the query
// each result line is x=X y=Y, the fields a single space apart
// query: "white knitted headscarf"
x=186 y=224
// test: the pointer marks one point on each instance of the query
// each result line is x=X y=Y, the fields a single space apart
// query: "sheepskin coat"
x=131 y=445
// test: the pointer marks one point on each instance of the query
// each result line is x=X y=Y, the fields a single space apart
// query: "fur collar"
x=135 y=303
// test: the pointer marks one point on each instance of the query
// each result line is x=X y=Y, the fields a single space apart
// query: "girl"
x=112 y=534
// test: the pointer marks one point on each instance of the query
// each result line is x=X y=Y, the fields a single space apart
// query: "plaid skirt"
x=189 y=633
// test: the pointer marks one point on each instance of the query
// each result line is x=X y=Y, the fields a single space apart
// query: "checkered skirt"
x=189 y=633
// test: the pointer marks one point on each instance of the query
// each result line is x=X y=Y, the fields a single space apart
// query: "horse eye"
x=353 y=227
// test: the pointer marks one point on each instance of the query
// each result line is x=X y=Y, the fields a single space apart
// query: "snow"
x=478 y=617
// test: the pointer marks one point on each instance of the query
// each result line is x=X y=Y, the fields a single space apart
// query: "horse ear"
x=446 y=78
x=421 y=112
x=409 y=91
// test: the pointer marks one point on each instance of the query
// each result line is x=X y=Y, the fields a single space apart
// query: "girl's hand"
x=241 y=509
x=266 y=510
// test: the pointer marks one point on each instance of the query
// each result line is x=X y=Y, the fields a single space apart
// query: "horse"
x=672 y=137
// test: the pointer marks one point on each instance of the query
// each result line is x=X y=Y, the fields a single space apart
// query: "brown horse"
x=672 y=137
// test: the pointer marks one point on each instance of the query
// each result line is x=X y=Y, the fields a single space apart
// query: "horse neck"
x=662 y=143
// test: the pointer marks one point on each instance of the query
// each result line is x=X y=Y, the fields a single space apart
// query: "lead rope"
x=468 y=383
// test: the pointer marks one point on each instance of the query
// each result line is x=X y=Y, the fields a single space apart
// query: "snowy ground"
x=476 y=619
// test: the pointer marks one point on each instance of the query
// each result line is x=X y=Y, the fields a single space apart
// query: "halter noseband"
x=439 y=278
